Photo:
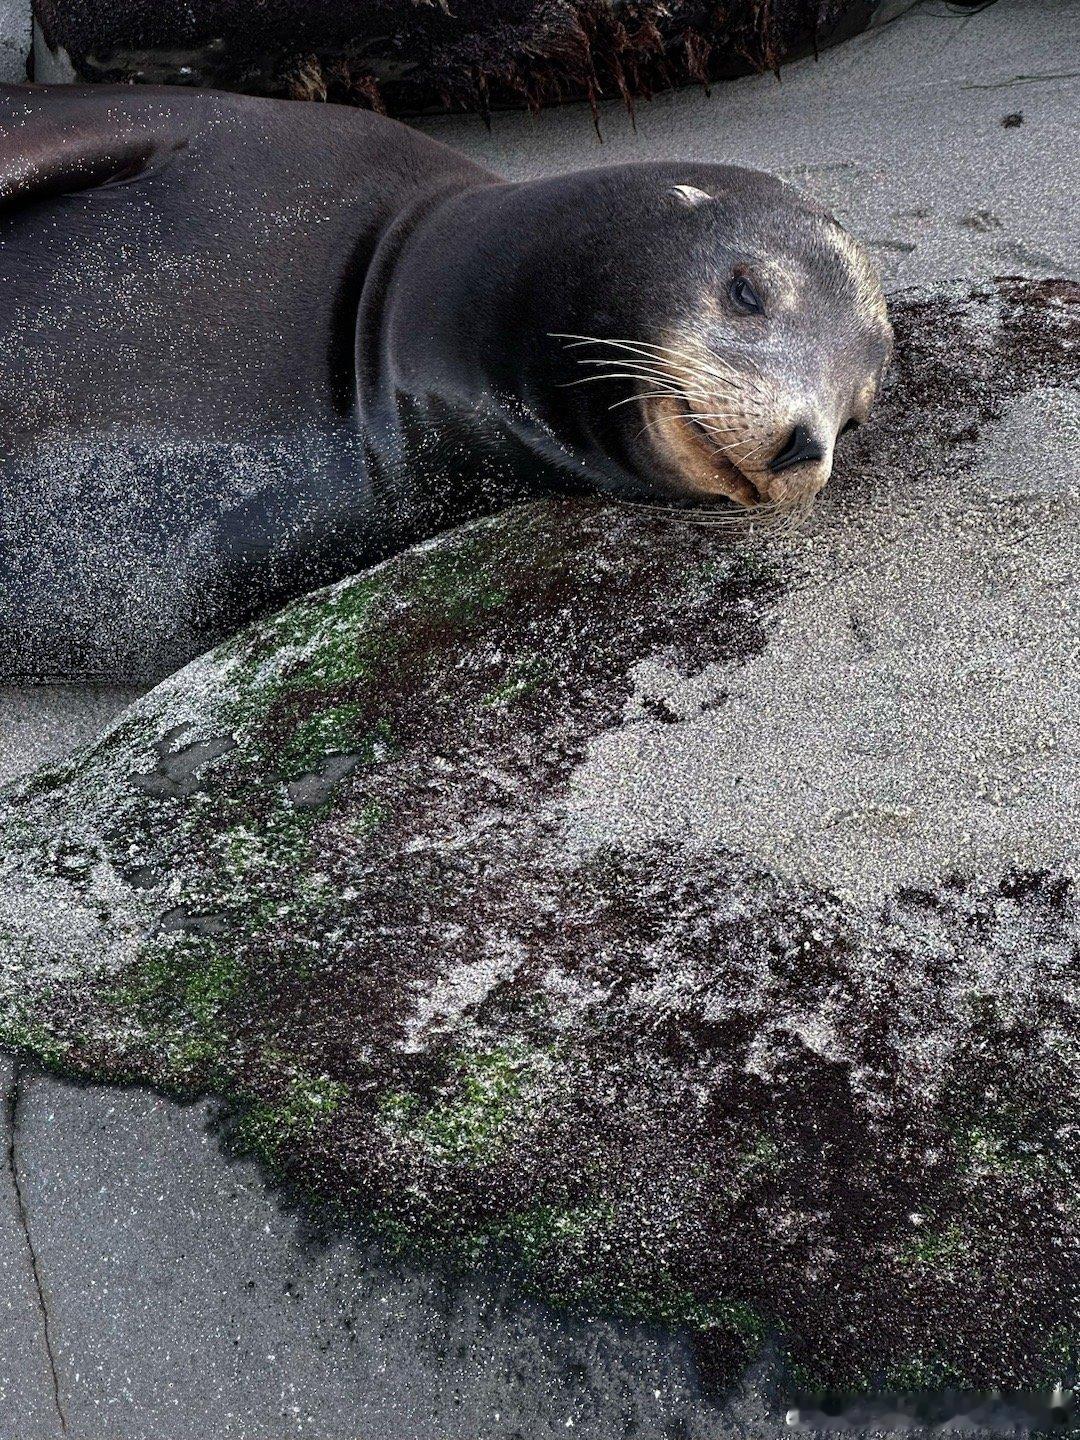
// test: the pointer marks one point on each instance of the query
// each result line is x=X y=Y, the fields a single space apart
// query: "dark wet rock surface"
x=399 y=56
x=385 y=892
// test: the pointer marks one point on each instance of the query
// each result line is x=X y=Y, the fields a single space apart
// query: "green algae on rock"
x=361 y=873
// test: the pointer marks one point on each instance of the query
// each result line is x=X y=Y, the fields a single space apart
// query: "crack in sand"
x=22 y=1214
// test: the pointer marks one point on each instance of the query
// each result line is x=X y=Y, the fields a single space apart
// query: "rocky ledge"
x=683 y=917
x=400 y=56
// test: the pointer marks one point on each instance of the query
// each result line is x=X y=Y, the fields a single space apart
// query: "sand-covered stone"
x=684 y=917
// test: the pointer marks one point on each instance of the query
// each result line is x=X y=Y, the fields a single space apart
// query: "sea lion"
x=250 y=346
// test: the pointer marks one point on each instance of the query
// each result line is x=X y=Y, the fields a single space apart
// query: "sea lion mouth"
x=724 y=460
x=709 y=427
x=697 y=462
x=705 y=467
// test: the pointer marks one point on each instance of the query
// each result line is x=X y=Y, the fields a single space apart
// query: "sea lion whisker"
x=647 y=369
x=730 y=516
x=779 y=517
x=739 y=518
x=709 y=361
x=627 y=363
x=681 y=374
x=619 y=375
x=654 y=354
x=745 y=382
x=744 y=459
x=630 y=363
x=646 y=395
x=697 y=363
x=733 y=444
x=640 y=364
x=730 y=447
x=717 y=365
x=620 y=350
x=640 y=367
x=687 y=419
x=695 y=360
x=800 y=513
x=651 y=362
x=750 y=398
x=747 y=371
x=620 y=342
x=712 y=360
x=649 y=425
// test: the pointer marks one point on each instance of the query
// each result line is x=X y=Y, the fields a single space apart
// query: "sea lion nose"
x=801 y=449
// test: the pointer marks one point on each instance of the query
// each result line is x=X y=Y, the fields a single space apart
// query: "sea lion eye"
x=744 y=297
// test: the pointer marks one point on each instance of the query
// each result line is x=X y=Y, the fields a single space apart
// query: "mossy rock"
x=333 y=873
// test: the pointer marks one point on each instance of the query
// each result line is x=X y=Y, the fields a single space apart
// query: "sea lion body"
x=251 y=346
x=178 y=446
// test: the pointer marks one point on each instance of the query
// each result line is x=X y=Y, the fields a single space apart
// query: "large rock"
x=402 y=55
x=683 y=916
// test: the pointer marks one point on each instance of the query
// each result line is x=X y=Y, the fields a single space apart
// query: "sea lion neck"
x=396 y=317
x=457 y=325
x=441 y=390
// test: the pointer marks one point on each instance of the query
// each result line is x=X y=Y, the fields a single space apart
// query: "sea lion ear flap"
x=689 y=196
x=53 y=144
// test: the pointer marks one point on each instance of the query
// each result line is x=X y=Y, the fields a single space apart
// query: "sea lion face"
x=771 y=342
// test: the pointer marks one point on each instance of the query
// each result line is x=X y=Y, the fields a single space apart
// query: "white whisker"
x=696 y=363
x=648 y=395
x=586 y=379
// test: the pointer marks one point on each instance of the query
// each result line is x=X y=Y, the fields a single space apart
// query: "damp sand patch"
x=917 y=710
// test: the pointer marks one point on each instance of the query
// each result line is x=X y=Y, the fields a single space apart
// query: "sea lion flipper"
x=55 y=140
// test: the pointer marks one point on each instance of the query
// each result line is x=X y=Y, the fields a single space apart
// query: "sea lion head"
x=735 y=331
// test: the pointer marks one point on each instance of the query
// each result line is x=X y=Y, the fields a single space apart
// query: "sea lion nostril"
x=801 y=449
